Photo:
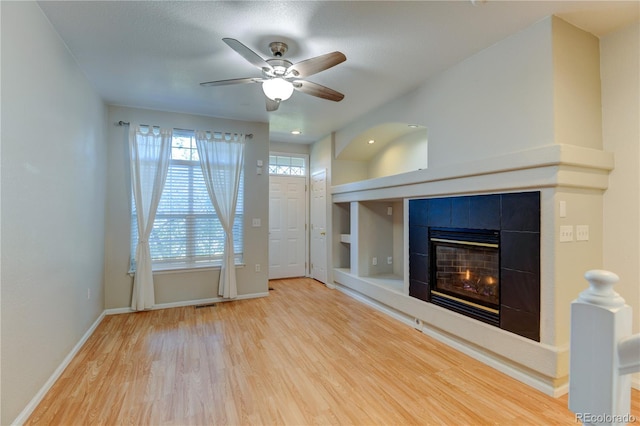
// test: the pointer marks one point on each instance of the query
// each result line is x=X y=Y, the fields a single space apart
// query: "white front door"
x=287 y=234
x=319 y=226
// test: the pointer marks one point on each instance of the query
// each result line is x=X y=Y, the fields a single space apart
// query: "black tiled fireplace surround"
x=517 y=217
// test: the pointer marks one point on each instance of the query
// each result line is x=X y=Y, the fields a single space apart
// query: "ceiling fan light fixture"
x=277 y=89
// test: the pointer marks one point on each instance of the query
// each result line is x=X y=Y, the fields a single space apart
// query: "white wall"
x=620 y=71
x=320 y=157
x=53 y=204
x=535 y=88
x=479 y=109
x=198 y=284
x=290 y=148
x=405 y=154
x=577 y=95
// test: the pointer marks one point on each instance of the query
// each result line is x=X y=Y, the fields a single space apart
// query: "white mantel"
x=545 y=167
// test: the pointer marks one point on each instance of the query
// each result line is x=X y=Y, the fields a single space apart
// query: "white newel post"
x=602 y=354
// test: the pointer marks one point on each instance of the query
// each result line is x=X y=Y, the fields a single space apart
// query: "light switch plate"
x=582 y=232
x=566 y=233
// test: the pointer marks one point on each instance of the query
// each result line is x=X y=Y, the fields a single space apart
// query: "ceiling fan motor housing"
x=278 y=48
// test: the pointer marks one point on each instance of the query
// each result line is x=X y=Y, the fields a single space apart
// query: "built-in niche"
x=508 y=224
x=383 y=150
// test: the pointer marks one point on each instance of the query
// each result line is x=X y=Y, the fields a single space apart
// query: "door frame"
x=327 y=227
x=307 y=218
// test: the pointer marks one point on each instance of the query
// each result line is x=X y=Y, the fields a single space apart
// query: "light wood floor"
x=304 y=355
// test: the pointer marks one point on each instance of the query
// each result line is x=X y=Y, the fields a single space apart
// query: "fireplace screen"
x=469 y=271
x=465 y=271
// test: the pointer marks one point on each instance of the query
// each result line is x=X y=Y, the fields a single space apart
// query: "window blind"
x=186 y=232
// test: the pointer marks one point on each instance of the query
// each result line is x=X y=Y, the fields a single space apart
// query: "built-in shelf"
x=342 y=237
x=369 y=242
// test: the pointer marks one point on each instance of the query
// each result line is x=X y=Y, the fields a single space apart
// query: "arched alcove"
x=387 y=149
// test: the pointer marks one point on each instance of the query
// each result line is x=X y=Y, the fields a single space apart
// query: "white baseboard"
x=482 y=356
x=31 y=406
x=376 y=305
x=116 y=311
x=497 y=364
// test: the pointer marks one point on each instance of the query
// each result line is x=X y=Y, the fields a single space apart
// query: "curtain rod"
x=126 y=123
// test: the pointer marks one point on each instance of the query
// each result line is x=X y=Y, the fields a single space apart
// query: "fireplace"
x=512 y=222
x=465 y=272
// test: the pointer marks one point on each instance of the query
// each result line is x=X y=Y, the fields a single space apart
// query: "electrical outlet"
x=257 y=267
x=582 y=232
x=566 y=233
x=374 y=261
x=88 y=294
x=389 y=260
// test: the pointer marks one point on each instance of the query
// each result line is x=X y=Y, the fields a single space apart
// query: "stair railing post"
x=600 y=319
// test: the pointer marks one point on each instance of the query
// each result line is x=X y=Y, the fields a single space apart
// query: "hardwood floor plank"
x=305 y=355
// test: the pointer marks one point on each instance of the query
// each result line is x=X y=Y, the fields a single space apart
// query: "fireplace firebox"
x=465 y=272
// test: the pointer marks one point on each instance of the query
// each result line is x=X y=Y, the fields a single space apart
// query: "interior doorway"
x=318 y=221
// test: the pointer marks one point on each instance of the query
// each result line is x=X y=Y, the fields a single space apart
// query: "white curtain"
x=150 y=152
x=222 y=159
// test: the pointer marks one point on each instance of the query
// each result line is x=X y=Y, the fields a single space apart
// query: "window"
x=186 y=232
x=288 y=165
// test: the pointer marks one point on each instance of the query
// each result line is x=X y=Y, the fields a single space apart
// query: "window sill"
x=177 y=269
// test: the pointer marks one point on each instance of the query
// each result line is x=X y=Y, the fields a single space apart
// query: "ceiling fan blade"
x=271 y=104
x=315 y=89
x=315 y=65
x=232 y=81
x=248 y=54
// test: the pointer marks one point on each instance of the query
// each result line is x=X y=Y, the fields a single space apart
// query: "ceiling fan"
x=280 y=77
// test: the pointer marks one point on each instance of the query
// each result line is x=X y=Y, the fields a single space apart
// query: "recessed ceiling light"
x=371 y=141
x=296 y=132
x=413 y=126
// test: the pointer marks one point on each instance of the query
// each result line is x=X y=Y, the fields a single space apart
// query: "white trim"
x=375 y=305
x=292 y=155
x=307 y=213
x=493 y=362
x=128 y=310
x=177 y=268
x=39 y=396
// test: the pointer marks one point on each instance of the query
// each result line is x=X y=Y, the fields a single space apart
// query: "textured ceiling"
x=154 y=54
